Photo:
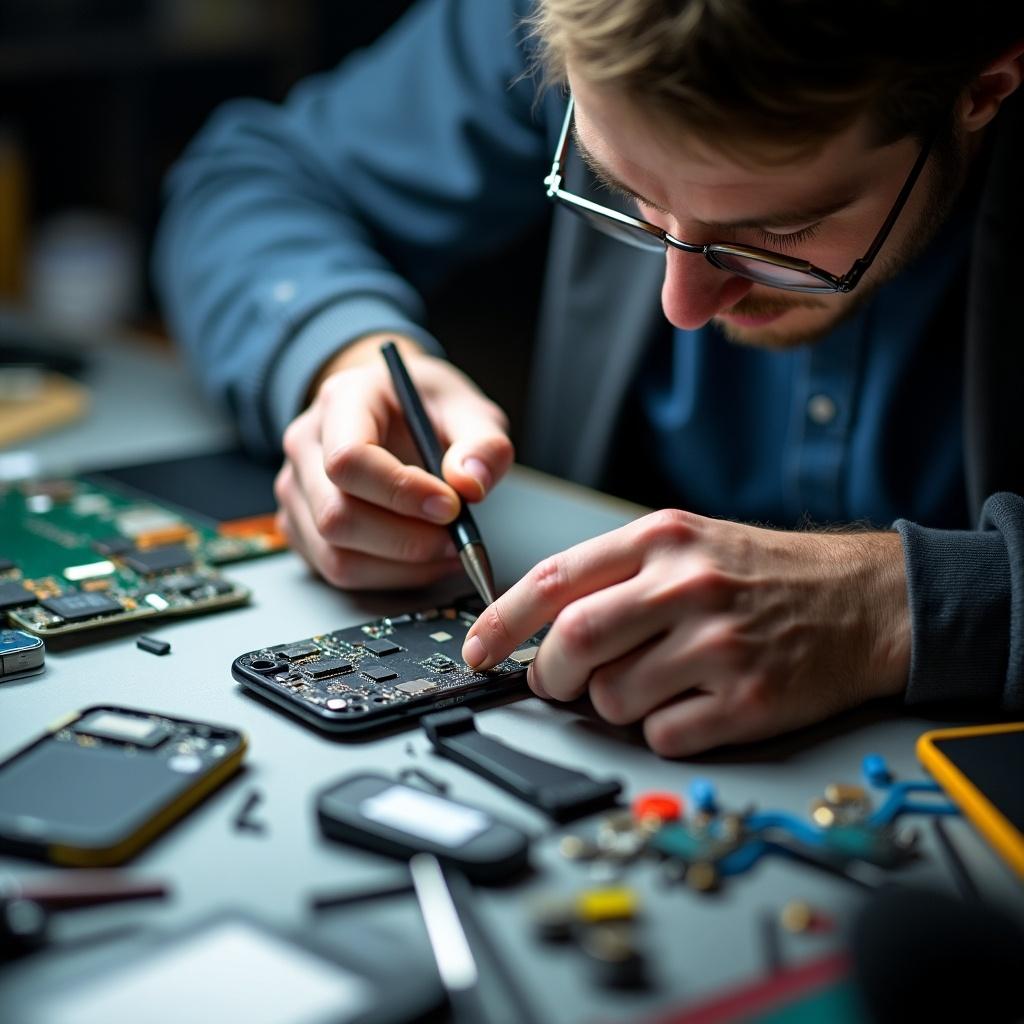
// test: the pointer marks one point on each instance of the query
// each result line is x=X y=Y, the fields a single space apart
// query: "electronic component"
x=70 y=538
x=393 y=669
x=134 y=774
x=415 y=686
x=327 y=667
x=139 y=730
x=153 y=645
x=77 y=606
x=297 y=651
x=156 y=560
x=378 y=673
x=14 y=595
x=563 y=793
x=381 y=647
x=6 y=565
x=525 y=655
x=21 y=654
x=376 y=813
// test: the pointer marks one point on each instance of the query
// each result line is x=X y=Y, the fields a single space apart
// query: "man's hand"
x=710 y=632
x=354 y=501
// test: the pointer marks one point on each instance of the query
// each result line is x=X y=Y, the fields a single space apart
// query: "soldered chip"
x=113 y=545
x=381 y=647
x=297 y=651
x=378 y=673
x=327 y=667
x=78 y=606
x=439 y=663
x=440 y=636
x=14 y=595
x=416 y=686
x=525 y=655
x=175 y=556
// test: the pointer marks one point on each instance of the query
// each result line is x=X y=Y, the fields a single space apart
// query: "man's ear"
x=998 y=80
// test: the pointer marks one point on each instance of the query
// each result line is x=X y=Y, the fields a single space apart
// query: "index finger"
x=356 y=461
x=545 y=590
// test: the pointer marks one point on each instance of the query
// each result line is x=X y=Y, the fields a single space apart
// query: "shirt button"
x=284 y=291
x=821 y=409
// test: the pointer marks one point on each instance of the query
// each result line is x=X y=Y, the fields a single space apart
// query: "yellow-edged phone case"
x=998 y=830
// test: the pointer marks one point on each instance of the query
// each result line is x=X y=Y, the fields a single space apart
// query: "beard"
x=951 y=160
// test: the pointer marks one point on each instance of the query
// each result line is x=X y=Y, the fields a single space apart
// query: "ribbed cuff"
x=322 y=337
x=958 y=585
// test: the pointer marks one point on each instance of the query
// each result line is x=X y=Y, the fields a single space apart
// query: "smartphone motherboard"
x=365 y=676
x=76 y=556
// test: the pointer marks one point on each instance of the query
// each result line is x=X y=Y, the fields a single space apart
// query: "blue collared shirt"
x=864 y=425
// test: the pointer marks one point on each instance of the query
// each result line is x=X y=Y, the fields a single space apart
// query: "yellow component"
x=96 y=585
x=118 y=853
x=177 y=534
x=130 y=604
x=823 y=813
x=1004 y=836
x=840 y=793
x=616 y=904
x=797 y=916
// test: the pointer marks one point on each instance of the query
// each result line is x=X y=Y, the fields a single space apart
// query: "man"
x=866 y=156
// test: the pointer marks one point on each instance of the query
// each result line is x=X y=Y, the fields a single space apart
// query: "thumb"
x=479 y=452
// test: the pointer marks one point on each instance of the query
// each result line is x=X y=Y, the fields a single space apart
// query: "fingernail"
x=473 y=652
x=439 y=508
x=478 y=471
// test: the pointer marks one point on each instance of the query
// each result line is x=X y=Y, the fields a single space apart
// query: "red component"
x=663 y=806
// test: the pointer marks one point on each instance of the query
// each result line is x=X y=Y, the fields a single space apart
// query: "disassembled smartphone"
x=365 y=677
x=100 y=784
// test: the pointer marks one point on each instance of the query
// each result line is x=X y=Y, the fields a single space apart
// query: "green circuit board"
x=76 y=555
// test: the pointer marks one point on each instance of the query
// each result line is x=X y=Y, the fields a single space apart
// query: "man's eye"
x=789 y=240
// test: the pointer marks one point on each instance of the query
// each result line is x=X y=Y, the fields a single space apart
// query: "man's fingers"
x=599 y=628
x=354 y=570
x=545 y=590
x=694 y=723
x=479 y=452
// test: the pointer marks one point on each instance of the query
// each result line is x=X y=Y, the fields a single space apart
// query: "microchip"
x=297 y=651
x=327 y=667
x=174 y=556
x=378 y=673
x=440 y=636
x=113 y=545
x=525 y=655
x=439 y=663
x=185 y=584
x=77 y=606
x=415 y=686
x=14 y=595
x=381 y=647
x=6 y=565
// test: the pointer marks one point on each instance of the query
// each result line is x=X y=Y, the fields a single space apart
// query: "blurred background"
x=97 y=100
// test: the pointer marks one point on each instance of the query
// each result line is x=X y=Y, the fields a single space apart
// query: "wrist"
x=888 y=609
x=363 y=350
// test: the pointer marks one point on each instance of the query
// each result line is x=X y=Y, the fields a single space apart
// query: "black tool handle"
x=416 y=417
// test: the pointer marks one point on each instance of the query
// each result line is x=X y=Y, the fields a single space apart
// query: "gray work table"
x=698 y=943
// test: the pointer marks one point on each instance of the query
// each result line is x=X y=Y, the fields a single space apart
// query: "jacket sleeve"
x=293 y=229
x=966 y=591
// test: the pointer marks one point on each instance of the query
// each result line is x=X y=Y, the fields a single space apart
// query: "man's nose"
x=694 y=291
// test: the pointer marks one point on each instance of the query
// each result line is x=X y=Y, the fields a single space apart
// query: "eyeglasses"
x=761 y=265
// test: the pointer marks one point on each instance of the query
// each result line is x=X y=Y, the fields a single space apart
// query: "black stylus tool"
x=462 y=527
x=562 y=793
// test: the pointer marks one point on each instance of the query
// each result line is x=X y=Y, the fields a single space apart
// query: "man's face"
x=825 y=208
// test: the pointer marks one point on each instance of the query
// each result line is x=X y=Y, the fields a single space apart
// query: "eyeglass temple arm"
x=554 y=179
x=855 y=273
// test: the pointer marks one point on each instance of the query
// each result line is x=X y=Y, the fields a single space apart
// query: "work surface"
x=698 y=943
